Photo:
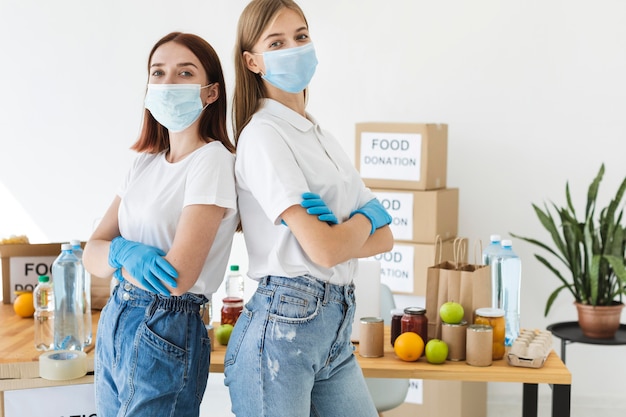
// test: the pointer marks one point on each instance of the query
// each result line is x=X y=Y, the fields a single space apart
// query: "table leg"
x=563 y=347
x=561 y=400
x=529 y=401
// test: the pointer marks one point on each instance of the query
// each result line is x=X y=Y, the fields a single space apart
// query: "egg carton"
x=530 y=349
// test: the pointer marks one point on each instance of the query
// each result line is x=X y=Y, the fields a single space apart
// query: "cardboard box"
x=421 y=216
x=405 y=267
x=406 y=156
x=446 y=399
x=22 y=264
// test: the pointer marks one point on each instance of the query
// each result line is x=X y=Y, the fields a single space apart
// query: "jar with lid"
x=231 y=309
x=414 y=320
x=396 y=324
x=493 y=317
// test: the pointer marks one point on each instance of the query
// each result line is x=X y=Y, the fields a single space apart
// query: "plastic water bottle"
x=78 y=251
x=508 y=273
x=234 y=283
x=489 y=254
x=43 y=298
x=492 y=249
x=67 y=281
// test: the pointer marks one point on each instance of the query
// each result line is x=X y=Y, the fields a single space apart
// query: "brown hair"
x=153 y=137
x=249 y=88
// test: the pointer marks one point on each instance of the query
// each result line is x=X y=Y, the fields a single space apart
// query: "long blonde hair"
x=249 y=88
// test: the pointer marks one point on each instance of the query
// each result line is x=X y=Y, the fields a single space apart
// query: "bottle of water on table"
x=508 y=273
x=67 y=282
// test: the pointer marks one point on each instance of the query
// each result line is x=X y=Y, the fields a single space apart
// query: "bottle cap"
x=494 y=238
x=234 y=267
x=75 y=242
x=507 y=242
x=44 y=278
x=66 y=246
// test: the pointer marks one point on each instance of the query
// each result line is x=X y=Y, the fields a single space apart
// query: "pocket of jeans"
x=165 y=337
x=237 y=336
x=295 y=307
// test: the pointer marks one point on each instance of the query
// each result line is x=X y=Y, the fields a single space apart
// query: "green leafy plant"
x=593 y=249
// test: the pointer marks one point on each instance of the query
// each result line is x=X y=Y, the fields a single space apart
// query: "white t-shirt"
x=281 y=155
x=155 y=192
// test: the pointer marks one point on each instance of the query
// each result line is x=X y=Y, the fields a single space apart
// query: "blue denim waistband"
x=129 y=293
x=313 y=286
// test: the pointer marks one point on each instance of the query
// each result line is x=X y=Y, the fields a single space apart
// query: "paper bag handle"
x=438 y=249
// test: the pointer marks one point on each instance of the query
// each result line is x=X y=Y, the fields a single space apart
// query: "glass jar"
x=231 y=309
x=396 y=324
x=414 y=320
x=493 y=317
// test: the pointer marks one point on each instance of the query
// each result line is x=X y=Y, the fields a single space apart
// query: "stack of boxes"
x=405 y=165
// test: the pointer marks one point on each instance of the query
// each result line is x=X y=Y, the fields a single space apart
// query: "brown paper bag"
x=437 y=279
x=467 y=284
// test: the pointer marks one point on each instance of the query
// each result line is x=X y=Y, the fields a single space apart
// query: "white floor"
x=216 y=403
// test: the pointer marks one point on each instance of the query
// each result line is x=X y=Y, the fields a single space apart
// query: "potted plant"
x=593 y=250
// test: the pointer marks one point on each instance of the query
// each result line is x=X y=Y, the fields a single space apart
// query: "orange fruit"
x=409 y=346
x=23 y=305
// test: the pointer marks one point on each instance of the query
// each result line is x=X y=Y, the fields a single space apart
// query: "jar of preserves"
x=414 y=320
x=396 y=324
x=493 y=317
x=231 y=309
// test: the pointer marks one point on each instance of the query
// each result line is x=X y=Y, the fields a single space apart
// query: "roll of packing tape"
x=60 y=365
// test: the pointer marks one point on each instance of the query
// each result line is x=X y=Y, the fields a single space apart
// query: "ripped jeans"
x=290 y=353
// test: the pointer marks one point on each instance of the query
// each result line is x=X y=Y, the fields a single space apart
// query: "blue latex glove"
x=145 y=263
x=376 y=214
x=315 y=205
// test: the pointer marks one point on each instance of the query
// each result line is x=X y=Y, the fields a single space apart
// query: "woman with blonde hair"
x=306 y=217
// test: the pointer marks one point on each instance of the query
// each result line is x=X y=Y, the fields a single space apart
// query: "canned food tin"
x=455 y=336
x=493 y=317
x=371 y=337
x=479 y=345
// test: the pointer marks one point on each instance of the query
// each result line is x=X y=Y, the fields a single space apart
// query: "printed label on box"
x=393 y=156
x=71 y=400
x=400 y=207
x=415 y=394
x=396 y=268
x=25 y=271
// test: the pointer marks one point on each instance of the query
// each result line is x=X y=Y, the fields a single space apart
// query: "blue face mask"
x=290 y=69
x=175 y=106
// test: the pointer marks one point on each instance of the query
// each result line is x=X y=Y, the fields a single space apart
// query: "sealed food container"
x=371 y=337
x=396 y=324
x=493 y=317
x=479 y=345
x=414 y=320
x=455 y=337
x=231 y=309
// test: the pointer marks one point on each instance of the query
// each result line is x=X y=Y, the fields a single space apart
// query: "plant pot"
x=599 y=322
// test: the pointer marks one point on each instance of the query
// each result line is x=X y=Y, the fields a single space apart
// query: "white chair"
x=387 y=393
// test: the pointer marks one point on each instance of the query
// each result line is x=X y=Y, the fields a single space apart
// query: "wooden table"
x=19 y=368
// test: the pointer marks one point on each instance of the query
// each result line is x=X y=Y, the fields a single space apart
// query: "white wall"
x=534 y=94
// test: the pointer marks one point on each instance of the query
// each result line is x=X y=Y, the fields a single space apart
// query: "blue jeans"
x=152 y=354
x=290 y=353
